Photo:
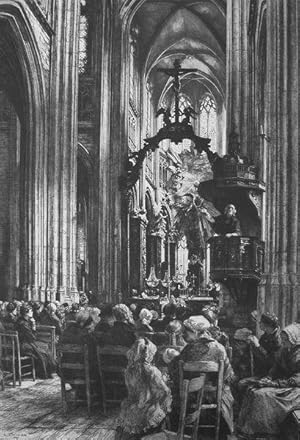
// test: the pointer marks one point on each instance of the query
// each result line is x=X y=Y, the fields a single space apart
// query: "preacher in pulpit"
x=228 y=224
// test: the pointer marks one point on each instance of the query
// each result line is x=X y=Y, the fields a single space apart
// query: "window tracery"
x=208 y=119
x=83 y=39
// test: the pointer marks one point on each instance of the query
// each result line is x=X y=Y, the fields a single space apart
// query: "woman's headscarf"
x=10 y=307
x=142 y=351
x=51 y=308
x=174 y=327
x=210 y=313
x=270 y=319
x=83 y=318
x=242 y=334
x=292 y=332
x=145 y=315
x=24 y=309
x=122 y=313
x=94 y=313
x=196 y=324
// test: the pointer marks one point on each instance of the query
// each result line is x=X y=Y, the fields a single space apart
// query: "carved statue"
x=167 y=115
x=189 y=113
x=194 y=220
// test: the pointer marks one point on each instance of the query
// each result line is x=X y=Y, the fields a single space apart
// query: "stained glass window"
x=83 y=34
x=208 y=119
x=184 y=102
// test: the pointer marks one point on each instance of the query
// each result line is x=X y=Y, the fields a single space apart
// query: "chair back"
x=10 y=357
x=73 y=362
x=46 y=333
x=193 y=377
x=9 y=353
x=112 y=363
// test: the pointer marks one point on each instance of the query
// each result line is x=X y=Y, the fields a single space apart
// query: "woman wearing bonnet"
x=144 y=321
x=149 y=398
x=202 y=347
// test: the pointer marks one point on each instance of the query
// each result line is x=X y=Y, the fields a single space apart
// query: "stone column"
x=112 y=79
x=63 y=153
x=237 y=82
x=279 y=292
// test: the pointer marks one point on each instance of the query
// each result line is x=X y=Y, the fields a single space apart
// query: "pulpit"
x=235 y=257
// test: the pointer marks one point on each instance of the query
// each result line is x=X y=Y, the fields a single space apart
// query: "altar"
x=195 y=303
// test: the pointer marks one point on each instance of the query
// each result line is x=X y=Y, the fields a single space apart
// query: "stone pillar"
x=112 y=79
x=63 y=153
x=279 y=291
x=237 y=80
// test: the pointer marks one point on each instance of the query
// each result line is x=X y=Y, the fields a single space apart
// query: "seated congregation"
x=260 y=378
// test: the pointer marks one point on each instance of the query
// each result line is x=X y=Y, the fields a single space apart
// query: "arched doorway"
x=23 y=200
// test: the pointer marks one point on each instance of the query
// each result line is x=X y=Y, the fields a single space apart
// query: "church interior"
x=149 y=231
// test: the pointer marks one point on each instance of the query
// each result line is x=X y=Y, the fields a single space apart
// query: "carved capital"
x=158 y=224
x=255 y=198
x=173 y=235
x=139 y=215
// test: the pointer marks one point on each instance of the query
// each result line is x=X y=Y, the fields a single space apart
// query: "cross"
x=176 y=72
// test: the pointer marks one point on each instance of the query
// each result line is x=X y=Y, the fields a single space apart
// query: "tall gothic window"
x=133 y=113
x=208 y=119
x=149 y=121
x=184 y=102
x=83 y=38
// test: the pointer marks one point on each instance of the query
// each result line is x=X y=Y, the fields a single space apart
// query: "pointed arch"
x=22 y=59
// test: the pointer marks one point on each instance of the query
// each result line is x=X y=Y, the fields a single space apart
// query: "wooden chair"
x=74 y=368
x=11 y=362
x=202 y=370
x=186 y=420
x=46 y=333
x=112 y=362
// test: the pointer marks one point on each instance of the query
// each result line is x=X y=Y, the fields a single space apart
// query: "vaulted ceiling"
x=193 y=32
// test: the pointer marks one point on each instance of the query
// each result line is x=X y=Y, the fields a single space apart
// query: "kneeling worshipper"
x=202 y=347
x=30 y=346
x=269 y=400
x=267 y=347
x=149 y=398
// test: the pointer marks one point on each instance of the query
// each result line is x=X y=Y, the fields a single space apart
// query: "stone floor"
x=34 y=411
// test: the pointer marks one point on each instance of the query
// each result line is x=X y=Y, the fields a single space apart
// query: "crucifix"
x=174 y=131
x=176 y=72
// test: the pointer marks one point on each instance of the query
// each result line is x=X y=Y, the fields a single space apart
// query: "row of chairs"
x=16 y=367
x=112 y=364
x=13 y=365
x=74 y=368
